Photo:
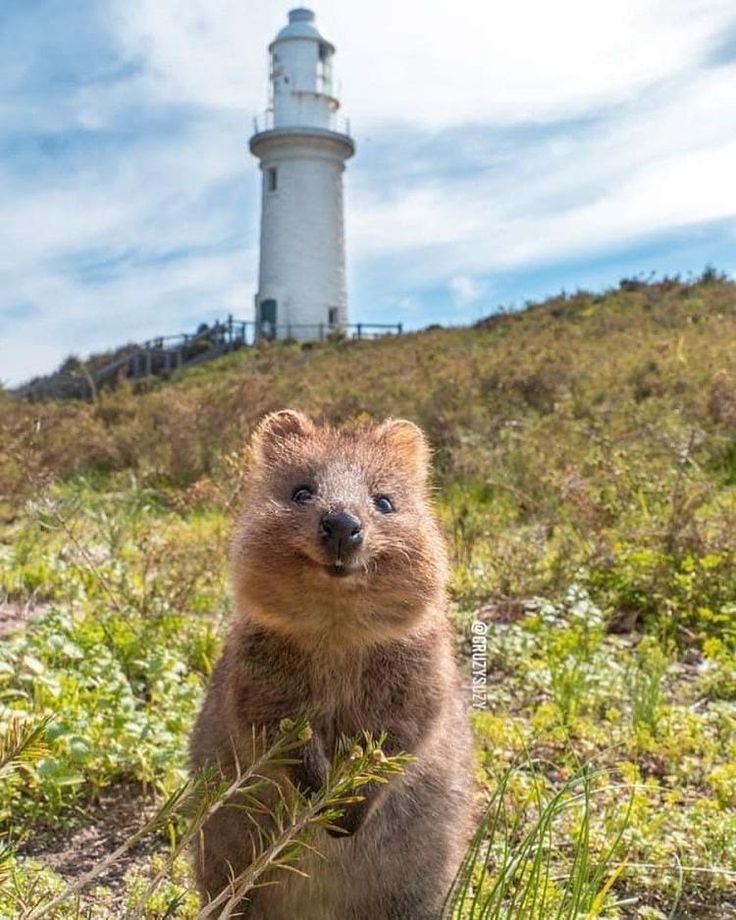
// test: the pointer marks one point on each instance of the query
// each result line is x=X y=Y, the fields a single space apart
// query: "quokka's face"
x=337 y=512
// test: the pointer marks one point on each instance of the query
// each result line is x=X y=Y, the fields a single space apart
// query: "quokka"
x=338 y=573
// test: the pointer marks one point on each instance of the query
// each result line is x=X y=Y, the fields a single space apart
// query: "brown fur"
x=367 y=652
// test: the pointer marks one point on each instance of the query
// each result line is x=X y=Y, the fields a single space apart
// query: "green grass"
x=512 y=868
x=586 y=486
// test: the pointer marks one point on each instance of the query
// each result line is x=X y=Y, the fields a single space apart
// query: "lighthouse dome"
x=301 y=25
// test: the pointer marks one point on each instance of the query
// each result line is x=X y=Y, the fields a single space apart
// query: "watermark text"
x=479 y=664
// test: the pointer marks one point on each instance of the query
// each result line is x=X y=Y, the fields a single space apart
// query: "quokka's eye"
x=383 y=504
x=302 y=495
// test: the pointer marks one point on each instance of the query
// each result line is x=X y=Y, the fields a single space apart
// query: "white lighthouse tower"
x=302 y=148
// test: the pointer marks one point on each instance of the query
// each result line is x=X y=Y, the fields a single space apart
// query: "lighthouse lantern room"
x=302 y=147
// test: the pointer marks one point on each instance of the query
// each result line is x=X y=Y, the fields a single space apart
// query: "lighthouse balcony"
x=330 y=121
x=335 y=139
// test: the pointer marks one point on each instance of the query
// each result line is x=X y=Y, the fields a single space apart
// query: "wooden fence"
x=164 y=354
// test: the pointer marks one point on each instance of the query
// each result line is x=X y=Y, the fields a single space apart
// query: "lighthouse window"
x=332 y=316
x=324 y=70
x=272 y=179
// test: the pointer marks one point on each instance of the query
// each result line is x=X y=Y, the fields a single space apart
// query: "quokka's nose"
x=341 y=532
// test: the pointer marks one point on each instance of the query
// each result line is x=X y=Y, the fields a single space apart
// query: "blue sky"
x=504 y=152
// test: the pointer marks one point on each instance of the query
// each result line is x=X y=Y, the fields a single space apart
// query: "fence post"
x=148 y=363
x=400 y=327
x=360 y=330
x=321 y=332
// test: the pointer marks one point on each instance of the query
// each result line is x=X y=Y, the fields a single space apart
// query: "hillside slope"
x=559 y=432
x=657 y=348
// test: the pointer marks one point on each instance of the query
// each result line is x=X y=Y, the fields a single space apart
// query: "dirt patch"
x=72 y=852
x=13 y=617
x=502 y=610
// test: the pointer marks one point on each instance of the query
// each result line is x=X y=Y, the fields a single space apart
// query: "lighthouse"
x=302 y=146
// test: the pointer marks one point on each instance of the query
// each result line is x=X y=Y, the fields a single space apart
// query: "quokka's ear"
x=278 y=431
x=405 y=442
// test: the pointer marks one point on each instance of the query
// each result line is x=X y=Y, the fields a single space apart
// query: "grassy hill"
x=585 y=454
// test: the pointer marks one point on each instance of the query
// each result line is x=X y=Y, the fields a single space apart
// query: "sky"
x=505 y=152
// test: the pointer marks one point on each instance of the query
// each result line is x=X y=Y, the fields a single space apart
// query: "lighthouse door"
x=267 y=319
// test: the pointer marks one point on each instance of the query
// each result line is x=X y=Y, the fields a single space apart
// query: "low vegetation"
x=586 y=479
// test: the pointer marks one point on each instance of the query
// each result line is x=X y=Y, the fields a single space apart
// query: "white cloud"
x=465 y=290
x=141 y=197
x=81 y=319
x=436 y=63
x=652 y=150
x=658 y=163
x=126 y=246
